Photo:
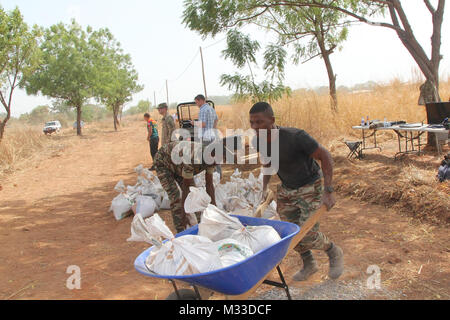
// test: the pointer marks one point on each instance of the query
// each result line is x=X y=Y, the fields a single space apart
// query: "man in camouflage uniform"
x=170 y=173
x=301 y=191
x=168 y=124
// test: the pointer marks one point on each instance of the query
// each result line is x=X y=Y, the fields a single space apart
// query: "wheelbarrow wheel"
x=185 y=294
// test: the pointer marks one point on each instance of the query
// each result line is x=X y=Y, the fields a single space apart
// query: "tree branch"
x=429 y=6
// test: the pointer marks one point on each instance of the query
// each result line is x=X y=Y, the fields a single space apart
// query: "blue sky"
x=162 y=48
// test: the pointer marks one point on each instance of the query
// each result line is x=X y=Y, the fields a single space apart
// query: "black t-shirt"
x=296 y=166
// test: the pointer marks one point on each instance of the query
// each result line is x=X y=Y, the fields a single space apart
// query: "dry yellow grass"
x=310 y=111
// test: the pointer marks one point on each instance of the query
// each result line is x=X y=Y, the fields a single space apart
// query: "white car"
x=52 y=126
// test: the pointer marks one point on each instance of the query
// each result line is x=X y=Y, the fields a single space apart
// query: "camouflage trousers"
x=296 y=206
x=169 y=182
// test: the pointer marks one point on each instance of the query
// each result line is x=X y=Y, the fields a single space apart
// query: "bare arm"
x=326 y=161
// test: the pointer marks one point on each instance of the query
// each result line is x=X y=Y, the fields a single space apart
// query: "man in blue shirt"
x=208 y=119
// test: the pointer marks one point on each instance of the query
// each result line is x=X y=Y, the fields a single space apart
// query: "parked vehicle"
x=51 y=127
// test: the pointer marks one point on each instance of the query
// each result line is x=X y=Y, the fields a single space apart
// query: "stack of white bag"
x=185 y=255
x=243 y=196
x=145 y=197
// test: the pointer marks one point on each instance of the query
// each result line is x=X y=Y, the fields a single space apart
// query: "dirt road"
x=54 y=214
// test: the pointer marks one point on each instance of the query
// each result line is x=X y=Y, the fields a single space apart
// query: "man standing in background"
x=152 y=137
x=168 y=124
x=208 y=122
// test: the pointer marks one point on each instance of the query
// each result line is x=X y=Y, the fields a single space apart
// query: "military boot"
x=336 y=256
x=309 y=267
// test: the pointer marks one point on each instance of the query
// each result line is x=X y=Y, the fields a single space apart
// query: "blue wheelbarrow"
x=240 y=280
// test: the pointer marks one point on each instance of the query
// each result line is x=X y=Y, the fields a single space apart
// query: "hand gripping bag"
x=197 y=200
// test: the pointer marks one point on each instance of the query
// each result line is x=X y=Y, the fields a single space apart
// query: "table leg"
x=364 y=139
x=438 y=147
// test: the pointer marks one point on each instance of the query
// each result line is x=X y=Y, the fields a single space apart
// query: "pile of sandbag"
x=222 y=241
x=146 y=197
x=239 y=196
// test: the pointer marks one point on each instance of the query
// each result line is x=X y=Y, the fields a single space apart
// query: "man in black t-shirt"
x=301 y=191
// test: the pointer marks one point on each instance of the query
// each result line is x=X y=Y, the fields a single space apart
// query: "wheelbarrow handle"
x=307 y=226
x=263 y=206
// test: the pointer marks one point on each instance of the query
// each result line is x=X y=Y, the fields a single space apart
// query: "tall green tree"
x=19 y=57
x=210 y=17
x=241 y=50
x=324 y=29
x=67 y=72
x=116 y=79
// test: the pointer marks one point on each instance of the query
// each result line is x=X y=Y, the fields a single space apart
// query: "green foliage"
x=241 y=50
x=116 y=78
x=19 y=57
x=142 y=107
x=320 y=22
x=67 y=72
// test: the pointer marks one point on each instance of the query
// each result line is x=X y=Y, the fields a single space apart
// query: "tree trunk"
x=429 y=67
x=3 y=124
x=79 y=120
x=331 y=76
x=115 y=116
x=332 y=82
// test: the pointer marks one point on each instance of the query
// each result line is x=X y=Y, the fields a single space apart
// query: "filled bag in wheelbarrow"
x=256 y=237
x=217 y=225
x=232 y=252
x=185 y=255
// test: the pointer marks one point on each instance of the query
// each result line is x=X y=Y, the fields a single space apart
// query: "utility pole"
x=167 y=92
x=154 y=97
x=203 y=71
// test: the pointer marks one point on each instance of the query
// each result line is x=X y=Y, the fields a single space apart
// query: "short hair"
x=200 y=97
x=262 y=107
x=163 y=106
x=146 y=115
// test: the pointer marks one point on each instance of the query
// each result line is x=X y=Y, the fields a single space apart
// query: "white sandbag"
x=121 y=206
x=239 y=206
x=139 y=169
x=197 y=200
x=185 y=255
x=120 y=187
x=271 y=212
x=221 y=196
x=217 y=225
x=256 y=237
x=200 y=181
x=145 y=206
x=165 y=204
x=232 y=252
x=192 y=218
